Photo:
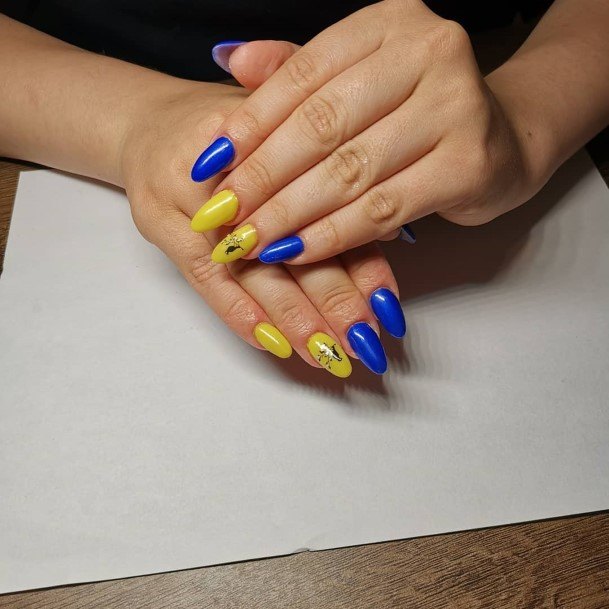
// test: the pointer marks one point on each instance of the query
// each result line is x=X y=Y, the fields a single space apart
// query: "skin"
x=385 y=117
x=141 y=130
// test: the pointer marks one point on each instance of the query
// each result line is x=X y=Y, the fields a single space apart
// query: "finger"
x=408 y=195
x=338 y=299
x=294 y=315
x=394 y=234
x=338 y=111
x=191 y=254
x=255 y=62
x=334 y=50
x=372 y=274
x=376 y=154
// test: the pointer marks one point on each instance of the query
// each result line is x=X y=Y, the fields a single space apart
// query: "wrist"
x=531 y=124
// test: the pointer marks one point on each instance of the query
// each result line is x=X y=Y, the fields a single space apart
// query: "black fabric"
x=176 y=36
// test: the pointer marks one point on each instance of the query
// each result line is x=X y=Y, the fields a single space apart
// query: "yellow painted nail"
x=219 y=210
x=235 y=245
x=329 y=354
x=272 y=340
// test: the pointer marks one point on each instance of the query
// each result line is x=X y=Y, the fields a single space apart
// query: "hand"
x=379 y=120
x=266 y=306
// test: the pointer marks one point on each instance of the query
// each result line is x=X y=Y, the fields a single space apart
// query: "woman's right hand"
x=333 y=298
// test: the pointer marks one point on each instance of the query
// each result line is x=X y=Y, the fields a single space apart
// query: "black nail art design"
x=328 y=354
x=232 y=243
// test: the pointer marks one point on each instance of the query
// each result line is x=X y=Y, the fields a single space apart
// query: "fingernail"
x=272 y=340
x=282 y=250
x=222 y=51
x=213 y=159
x=388 y=311
x=329 y=354
x=219 y=210
x=367 y=346
x=407 y=234
x=235 y=245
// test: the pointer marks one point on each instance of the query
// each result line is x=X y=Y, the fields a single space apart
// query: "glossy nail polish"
x=272 y=340
x=329 y=354
x=223 y=50
x=407 y=234
x=367 y=345
x=281 y=250
x=213 y=159
x=388 y=311
x=235 y=245
x=219 y=210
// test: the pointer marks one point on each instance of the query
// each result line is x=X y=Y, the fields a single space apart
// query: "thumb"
x=254 y=62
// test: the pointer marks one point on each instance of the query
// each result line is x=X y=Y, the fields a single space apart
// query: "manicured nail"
x=235 y=245
x=388 y=311
x=282 y=250
x=407 y=234
x=223 y=50
x=329 y=354
x=367 y=345
x=219 y=210
x=213 y=159
x=272 y=340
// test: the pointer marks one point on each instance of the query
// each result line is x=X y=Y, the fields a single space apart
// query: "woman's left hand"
x=381 y=119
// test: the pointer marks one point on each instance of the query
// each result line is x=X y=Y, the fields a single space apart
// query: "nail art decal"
x=407 y=234
x=219 y=210
x=213 y=159
x=222 y=51
x=388 y=311
x=329 y=354
x=235 y=245
x=367 y=346
x=272 y=340
x=281 y=250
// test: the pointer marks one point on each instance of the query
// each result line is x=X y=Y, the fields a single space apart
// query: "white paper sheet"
x=138 y=435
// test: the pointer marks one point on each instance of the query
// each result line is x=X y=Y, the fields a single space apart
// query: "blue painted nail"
x=281 y=250
x=222 y=51
x=213 y=159
x=388 y=311
x=367 y=346
x=407 y=234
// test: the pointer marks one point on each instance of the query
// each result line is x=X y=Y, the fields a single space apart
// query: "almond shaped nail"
x=272 y=340
x=219 y=210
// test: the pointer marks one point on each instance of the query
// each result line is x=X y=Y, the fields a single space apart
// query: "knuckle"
x=245 y=125
x=320 y=120
x=328 y=234
x=445 y=37
x=292 y=317
x=201 y=271
x=257 y=175
x=238 y=311
x=278 y=213
x=348 y=165
x=341 y=301
x=301 y=70
x=382 y=208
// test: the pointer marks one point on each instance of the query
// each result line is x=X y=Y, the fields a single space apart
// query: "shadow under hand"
x=448 y=256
